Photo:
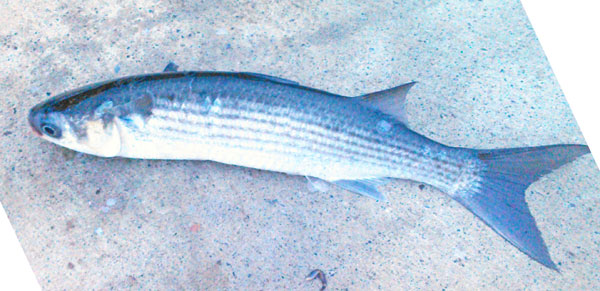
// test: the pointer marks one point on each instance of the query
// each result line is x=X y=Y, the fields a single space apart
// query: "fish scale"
x=270 y=126
x=301 y=144
x=268 y=123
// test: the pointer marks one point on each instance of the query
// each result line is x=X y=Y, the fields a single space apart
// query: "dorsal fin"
x=271 y=78
x=171 y=67
x=390 y=101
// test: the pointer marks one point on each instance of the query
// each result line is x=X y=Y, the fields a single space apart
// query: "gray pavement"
x=94 y=223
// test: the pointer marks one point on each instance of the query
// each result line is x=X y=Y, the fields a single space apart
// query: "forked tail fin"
x=499 y=197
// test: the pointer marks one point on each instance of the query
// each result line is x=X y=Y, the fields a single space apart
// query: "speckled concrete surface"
x=93 y=223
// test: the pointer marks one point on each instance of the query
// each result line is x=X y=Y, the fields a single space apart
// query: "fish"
x=269 y=123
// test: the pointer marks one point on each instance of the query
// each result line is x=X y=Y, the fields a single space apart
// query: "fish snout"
x=33 y=119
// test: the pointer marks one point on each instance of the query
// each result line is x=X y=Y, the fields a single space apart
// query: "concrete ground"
x=94 y=223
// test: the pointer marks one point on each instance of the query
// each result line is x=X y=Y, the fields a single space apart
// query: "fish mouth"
x=32 y=122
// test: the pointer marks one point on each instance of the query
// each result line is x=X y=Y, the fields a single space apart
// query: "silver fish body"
x=267 y=123
x=278 y=127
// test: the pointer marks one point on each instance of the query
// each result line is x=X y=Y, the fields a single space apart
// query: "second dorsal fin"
x=390 y=101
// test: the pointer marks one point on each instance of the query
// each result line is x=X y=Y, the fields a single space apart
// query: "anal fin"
x=367 y=187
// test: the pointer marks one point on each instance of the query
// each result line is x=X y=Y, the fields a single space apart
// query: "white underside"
x=253 y=154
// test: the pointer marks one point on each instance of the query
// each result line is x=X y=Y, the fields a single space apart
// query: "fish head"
x=78 y=121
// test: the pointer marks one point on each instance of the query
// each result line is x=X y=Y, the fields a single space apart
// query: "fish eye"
x=51 y=130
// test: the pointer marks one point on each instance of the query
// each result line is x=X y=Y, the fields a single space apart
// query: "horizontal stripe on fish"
x=388 y=157
x=295 y=122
